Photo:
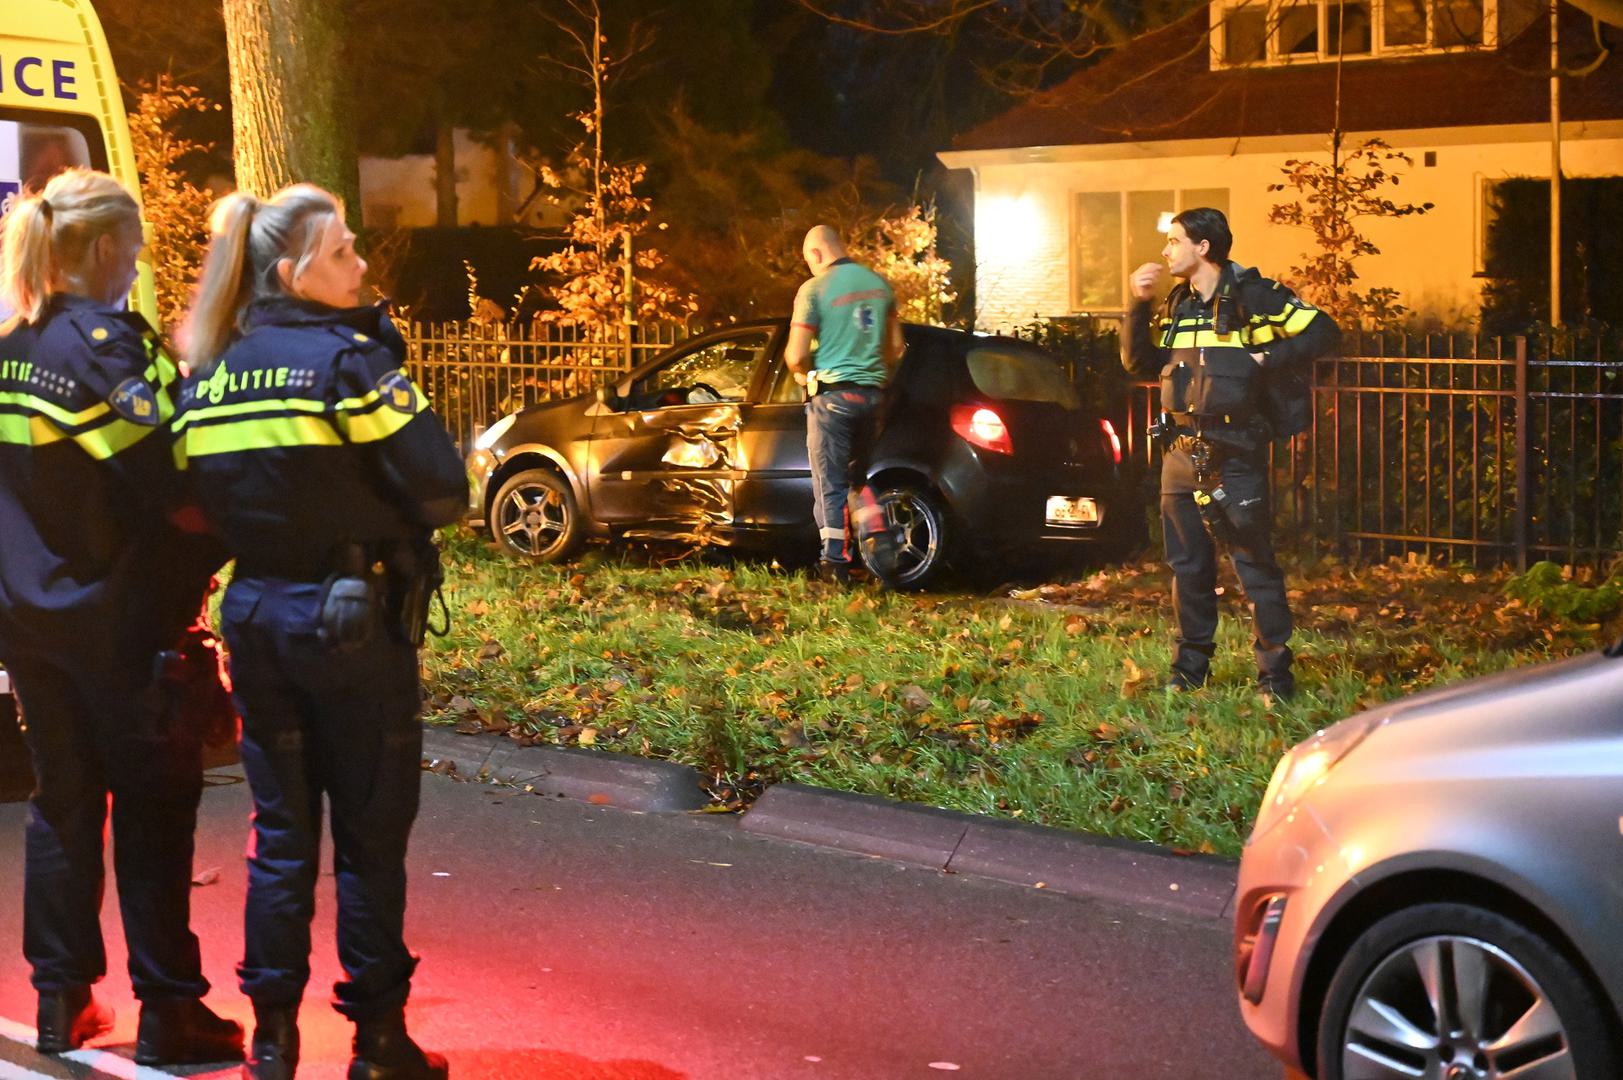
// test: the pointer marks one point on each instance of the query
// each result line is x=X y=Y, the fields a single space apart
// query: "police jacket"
x=1201 y=350
x=92 y=569
x=306 y=436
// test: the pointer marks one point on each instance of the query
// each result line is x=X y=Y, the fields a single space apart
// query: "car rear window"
x=1006 y=372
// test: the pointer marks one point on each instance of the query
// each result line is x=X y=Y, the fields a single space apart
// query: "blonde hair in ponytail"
x=250 y=239
x=48 y=234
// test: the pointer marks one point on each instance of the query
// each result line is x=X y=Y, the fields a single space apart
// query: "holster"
x=351 y=599
x=192 y=689
x=1224 y=518
x=415 y=578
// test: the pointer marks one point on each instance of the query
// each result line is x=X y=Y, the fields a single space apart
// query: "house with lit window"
x=1071 y=187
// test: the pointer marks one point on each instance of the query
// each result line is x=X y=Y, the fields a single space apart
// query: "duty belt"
x=306 y=566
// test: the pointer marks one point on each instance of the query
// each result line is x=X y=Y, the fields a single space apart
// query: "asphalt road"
x=565 y=941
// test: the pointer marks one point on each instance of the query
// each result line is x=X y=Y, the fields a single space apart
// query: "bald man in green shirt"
x=852 y=312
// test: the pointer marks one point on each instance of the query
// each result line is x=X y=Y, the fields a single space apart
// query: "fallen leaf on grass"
x=914 y=697
x=1137 y=680
x=476 y=607
x=491 y=650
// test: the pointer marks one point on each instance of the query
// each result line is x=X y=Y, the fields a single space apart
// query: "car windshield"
x=1008 y=372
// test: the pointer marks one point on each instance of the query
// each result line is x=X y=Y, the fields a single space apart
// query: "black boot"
x=383 y=1051
x=67 y=1019
x=1274 y=679
x=184 y=1031
x=274 y=1054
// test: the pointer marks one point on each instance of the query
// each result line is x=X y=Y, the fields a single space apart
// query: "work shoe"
x=68 y=1019
x=1180 y=681
x=834 y=573
x=274 y=1053
x=1276 y=688
x=184 y=1031
x=383 y=1051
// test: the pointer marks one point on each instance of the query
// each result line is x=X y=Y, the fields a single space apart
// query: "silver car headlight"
x=1306 y=765
x=488 y=437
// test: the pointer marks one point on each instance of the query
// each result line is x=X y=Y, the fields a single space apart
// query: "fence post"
x=1524 y=477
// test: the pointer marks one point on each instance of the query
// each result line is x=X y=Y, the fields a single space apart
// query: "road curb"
x=595 y=776
x=1058 y=860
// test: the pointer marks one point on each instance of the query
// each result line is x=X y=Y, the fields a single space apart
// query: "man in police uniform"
x=1234 y=353
x=852 y=312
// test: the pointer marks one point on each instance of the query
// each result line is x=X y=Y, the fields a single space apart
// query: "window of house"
x=1487 y=212
x=1114 y=232
x=1349 y=29
x=1272 y=32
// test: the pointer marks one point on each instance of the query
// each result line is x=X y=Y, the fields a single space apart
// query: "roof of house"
x=1161 y=86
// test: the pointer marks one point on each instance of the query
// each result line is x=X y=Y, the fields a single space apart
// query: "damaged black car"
x=985 y=452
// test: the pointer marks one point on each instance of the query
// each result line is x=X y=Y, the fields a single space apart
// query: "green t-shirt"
x=847 y=307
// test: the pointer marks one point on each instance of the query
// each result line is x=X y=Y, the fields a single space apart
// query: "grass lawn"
x=1043 y=706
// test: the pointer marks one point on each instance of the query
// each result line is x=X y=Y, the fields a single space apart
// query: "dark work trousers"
x=97 y=739
x=840 y=432
x=344 y=724
x=1192 y=555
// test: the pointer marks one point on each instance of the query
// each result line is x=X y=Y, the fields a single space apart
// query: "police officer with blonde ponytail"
x=318 y=461
x=96 y=581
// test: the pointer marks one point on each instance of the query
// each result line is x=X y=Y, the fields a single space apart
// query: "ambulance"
x=60 y=106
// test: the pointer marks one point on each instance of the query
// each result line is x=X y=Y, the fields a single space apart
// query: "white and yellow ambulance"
x=60 y=106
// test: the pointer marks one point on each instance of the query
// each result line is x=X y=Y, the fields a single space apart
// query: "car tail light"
x=1112 y=438
x=983 y=427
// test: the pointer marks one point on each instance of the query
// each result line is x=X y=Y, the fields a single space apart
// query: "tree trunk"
x=445 y=208
x=289 y=108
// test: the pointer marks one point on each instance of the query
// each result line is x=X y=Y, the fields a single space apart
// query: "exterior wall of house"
x=491 y=183
x=1026 y=210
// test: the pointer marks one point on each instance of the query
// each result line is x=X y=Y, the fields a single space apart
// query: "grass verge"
x=1044 y=706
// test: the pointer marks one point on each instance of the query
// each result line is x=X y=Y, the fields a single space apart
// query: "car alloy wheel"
x=919 y=524
x=1470 y=995
x=534 y=516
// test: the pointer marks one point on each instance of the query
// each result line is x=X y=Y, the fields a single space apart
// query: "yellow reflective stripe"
x=213 y=412
x=1209 y=339
x=55 y=412
x=265 y=433
x=162 y=371
x=1289 y=324
x=374 y=426
x=370 y=419
x=366 y=400
x=356 y=403
x=111 y=438
x=19 y=430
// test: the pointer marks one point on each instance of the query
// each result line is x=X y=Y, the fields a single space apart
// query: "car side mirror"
x=607 y=397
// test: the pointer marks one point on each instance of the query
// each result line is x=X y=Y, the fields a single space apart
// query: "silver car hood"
x=1510 y=699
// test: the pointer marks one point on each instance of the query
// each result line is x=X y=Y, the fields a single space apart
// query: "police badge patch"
x=134 y=401
x=397 y=392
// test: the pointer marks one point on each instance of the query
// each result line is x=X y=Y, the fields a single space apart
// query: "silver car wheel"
x=1454 y=1008
x=533 y=519
x=918 y=528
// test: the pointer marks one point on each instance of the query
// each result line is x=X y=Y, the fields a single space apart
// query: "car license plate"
x=1064 y=510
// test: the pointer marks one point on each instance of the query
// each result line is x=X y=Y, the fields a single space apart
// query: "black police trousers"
x=91 y=736
x=341 y=724
x=1192 y=555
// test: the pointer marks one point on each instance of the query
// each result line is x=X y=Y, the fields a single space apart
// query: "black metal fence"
x=1474 y=450
x=1481 y=450
x=476 y=373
